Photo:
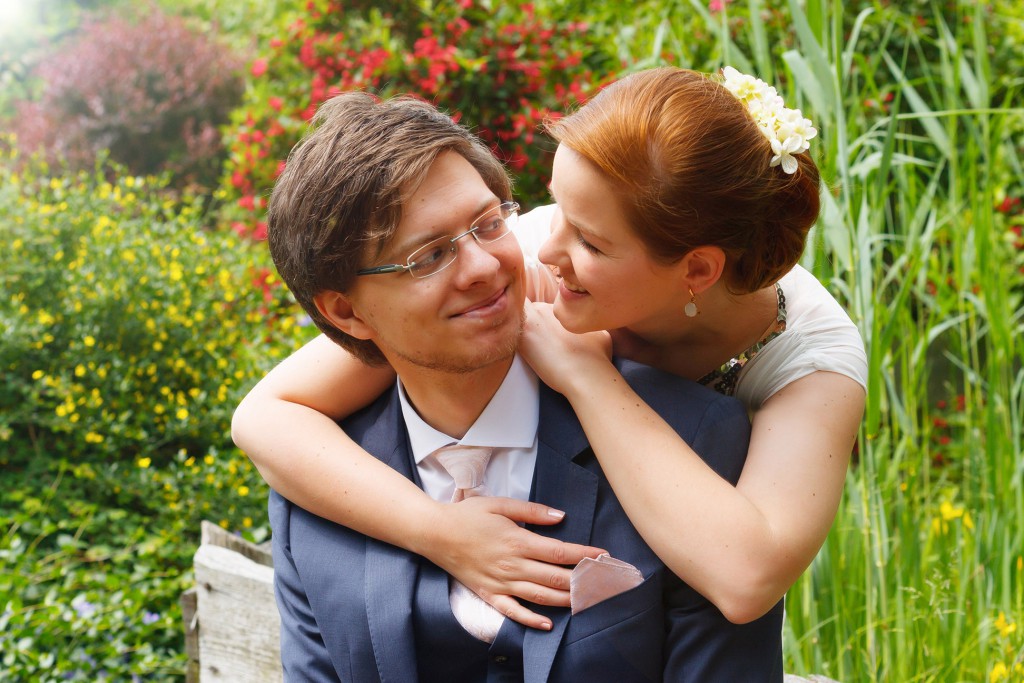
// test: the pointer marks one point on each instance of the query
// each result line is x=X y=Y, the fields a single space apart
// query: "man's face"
x=464 y=318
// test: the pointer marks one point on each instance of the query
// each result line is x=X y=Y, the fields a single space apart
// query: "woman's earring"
x=690 y=309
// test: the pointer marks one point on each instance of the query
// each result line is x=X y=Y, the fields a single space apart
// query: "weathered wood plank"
x=239 y=625
x=191 y=623
x=212 y=534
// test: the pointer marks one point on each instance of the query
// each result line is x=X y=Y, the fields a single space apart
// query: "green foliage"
x=96 y=555
x=501 y=68
x=129 y=330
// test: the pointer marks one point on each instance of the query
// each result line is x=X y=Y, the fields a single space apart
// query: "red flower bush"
x=502 y=70
x=152 y=92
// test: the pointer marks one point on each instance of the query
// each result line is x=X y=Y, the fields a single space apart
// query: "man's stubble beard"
x=457 y=366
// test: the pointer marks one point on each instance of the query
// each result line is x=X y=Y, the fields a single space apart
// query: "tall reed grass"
x=921 y=127
x=922 y=576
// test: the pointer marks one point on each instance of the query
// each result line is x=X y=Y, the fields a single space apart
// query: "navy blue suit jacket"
x=346 y=599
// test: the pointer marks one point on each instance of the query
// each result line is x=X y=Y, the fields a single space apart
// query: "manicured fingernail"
x=546 y=626
x=557 y=514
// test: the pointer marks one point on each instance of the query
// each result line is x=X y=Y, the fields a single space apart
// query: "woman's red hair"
x=693 y=169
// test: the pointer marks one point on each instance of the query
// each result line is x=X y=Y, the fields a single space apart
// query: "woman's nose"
x=553 y=250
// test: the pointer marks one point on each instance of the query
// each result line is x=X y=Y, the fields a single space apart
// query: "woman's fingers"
x=512 y=609
x=527 y=544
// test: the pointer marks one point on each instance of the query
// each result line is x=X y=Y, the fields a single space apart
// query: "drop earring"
x=690 y=309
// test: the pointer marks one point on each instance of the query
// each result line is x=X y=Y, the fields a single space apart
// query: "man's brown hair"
x=339 y=200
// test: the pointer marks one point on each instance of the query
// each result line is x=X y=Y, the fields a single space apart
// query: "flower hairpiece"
x=786 y=129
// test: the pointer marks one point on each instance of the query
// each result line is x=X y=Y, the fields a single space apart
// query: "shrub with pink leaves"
x=151 y=91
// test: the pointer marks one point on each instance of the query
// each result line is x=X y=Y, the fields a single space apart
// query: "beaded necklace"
x=723 y=380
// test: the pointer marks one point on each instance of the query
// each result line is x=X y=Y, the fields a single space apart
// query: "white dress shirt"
x=508 y=425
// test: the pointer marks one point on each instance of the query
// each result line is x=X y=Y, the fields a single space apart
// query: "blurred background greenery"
x=139 y=303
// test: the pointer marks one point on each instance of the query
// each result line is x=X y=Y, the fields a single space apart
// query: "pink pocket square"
x=594 y=580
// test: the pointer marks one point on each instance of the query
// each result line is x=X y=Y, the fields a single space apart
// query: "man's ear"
x=702 y=267
x=340 y=311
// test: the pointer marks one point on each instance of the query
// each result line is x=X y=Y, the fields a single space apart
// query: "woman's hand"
x=479 y=543
x=557 y=355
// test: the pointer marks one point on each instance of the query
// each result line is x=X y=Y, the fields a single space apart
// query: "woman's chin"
x=572 y=321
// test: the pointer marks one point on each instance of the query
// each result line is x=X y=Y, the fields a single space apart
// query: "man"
x=390 y=225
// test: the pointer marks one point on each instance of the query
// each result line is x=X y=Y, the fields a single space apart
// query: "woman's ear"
x=703 y=267
x=340 y=311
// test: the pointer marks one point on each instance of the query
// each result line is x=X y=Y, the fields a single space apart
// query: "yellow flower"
x=1004 y=626
x=247 y=522
x=190 y=461
x=38 y=374
x=93 y=437
x=949 y=512
x=208 y=460
x=999 y=673
x=144 y=462
x=243 y=490
x=79 y=370
x=89 y=341
x=181 y=414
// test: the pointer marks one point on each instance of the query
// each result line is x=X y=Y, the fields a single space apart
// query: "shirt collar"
x=509 y=420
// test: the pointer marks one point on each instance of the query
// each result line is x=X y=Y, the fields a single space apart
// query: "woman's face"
x=608 y=279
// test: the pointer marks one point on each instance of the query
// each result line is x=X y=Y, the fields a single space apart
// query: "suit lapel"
x=390 y=572
x=560 y=483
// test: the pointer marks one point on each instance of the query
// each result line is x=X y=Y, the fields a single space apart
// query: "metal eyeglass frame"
x=508 y=210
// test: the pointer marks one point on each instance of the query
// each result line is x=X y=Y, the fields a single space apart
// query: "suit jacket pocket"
x=620 y=639
x=616 y=610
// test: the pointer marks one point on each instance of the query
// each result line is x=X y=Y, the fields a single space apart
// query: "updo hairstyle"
x=693 y=170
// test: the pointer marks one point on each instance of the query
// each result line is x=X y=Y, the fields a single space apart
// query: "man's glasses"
x=436 y=255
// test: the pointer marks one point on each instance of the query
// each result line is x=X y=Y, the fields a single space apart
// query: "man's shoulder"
x=668 y=393
x=383 y=412
x=715 y=426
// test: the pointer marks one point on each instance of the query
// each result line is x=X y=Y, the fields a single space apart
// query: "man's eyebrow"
x=407 y=247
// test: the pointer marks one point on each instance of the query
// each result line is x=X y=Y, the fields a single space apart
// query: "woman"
x=683 y=206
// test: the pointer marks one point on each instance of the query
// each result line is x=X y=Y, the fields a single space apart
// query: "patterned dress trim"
x=723 y=380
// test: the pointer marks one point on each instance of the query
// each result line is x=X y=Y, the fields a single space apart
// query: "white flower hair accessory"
x=786 y=129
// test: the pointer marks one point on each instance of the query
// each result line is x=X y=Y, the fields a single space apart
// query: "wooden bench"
x=232 y=628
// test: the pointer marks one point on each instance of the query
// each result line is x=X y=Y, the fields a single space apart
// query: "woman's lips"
x=570 y=291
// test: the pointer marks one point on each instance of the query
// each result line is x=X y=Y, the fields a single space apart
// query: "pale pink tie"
x=466 y=465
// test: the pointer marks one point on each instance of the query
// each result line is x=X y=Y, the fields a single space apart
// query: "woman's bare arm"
x=741 y=547
x=286 y=425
